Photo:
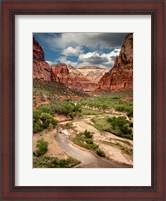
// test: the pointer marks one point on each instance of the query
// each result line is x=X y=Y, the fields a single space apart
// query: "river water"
x=87 y=158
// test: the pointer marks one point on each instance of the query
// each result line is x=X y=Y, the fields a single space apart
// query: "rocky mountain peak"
x=38 y=53
x=120 y=77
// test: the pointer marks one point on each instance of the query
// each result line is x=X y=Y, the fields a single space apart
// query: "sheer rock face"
x=120 y=77
x=41 y=69
x=38 y=53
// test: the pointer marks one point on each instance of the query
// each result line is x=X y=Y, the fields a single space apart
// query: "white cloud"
x=71 y=51
x=62 y=41
x=103 y=60
x=88 y=59
x=64 y=60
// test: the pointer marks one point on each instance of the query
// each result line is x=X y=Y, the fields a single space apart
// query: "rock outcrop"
x=41 y=69
x=120 y=77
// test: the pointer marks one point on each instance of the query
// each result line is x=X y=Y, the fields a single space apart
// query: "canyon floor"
x=62 y=144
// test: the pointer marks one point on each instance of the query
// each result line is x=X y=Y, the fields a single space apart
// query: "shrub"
x=69 y=125
x=44 y=109
x=85 y=139
x=42 y=121
x=100 y=152
x=88 y=134
x=42 y=147
x=120 y=126
x=53 y=162
x=50 y=126
x=47 y=119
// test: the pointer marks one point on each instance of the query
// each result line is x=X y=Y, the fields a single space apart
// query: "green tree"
x=42 y=147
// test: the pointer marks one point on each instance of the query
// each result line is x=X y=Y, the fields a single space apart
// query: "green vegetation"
x=125 y=149
x=85 y=140
x=107 y=102
x=42 y=120
x=69 y=125
x=65 y=107
x=42 y=161
x=125 y=108
x=42 y=147
x=100 y=152
x=119 y=126
x=53 y=162
x=86 y=111
x=52 y=89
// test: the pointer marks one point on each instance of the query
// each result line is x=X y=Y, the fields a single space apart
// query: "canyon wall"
x=120 y=77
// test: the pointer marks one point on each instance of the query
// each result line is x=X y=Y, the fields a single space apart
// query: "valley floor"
x=61 y=144
x=78 y=130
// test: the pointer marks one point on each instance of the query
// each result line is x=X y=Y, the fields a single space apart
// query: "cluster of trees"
x=108 y=102
x=42 y=147
x=66 y=107
x=121 y=126
x=125 y=108
x=42 y=120
x=43 y=116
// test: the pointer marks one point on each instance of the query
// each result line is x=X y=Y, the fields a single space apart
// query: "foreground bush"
x=53 y=162
x=85 y=140
x=42 y=147
x=42 y=121
x=119 y=126
x=100 y=152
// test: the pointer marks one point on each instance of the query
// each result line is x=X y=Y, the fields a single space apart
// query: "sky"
x=81 y=49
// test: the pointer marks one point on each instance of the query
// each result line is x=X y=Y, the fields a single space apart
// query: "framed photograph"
x=82 y=100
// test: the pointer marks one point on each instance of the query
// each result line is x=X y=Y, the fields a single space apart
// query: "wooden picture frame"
x=9 y=10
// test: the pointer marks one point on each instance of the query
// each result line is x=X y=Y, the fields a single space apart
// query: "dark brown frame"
x=9 y=9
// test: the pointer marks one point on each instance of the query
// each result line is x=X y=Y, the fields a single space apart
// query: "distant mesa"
x=93 y=73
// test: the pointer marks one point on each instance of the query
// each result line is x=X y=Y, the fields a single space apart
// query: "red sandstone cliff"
x=60 y=73
x=120 y=77
x=66 y=74
x=41 y=69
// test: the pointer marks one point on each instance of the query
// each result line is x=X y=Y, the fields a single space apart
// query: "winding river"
x=87 y=158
